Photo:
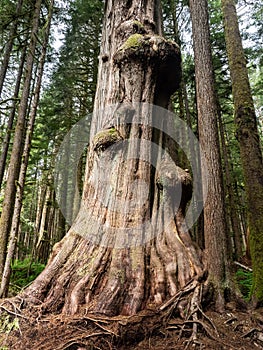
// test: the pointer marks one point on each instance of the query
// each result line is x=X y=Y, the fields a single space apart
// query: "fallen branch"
x=243 y=266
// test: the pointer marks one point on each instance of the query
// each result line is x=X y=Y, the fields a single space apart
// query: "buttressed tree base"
x=121 y=286
x=136 y=65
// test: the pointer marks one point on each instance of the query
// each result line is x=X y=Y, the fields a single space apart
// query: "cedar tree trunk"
x=104 y=264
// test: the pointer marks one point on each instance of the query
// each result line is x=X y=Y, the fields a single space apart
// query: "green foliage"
x=24 y=272
x=8 y=323
x=7 y=13
x=244 y=279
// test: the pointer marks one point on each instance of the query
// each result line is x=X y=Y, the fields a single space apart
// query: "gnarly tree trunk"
x=249 y=143
x=127 y=249
x=214 y=215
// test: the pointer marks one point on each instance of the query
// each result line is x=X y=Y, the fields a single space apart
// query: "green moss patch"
x=134 y=41
x=24 y=272
x=106 y=138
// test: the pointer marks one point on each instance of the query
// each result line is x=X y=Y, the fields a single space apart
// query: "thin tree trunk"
x=43 y=225
x=194 y=153
x=40 y=205
x=15 y=160
x=249 y=143
x=9 y=126
x=39 y=210
x=237 y=235
x=50 y=224
x=26 y=153
x=214 y=214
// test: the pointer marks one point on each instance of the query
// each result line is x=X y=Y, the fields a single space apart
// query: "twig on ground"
x=247 y=334
x=208 y=319
x=13 y=313
x=230 y=320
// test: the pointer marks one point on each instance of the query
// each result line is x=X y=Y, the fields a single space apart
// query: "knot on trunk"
x=147 y=47
x=169 y=176
x=105 y=138
x=154 y=51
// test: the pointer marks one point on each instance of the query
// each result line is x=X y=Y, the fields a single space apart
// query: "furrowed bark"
x=249 y=143
x=105 y=264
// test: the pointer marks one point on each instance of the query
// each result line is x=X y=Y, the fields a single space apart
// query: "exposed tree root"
x=180 y=318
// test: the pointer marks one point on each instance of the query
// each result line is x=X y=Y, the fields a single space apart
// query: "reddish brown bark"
x=218 y=259
x=128 y=248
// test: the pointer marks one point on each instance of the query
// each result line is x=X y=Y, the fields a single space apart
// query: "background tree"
x=15 y=161
x=248 y=137
x=25 y=155
x=70 y=78
x=9 y=44
x=15 y=33
x=214 y=214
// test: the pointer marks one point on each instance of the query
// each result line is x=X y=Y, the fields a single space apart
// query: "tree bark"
x=105 y=263
x=198 y=233
x=42 y=235
x=214 y=214
x=249 y=143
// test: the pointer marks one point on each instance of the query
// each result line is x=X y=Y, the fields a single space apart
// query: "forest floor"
x=235 y=329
